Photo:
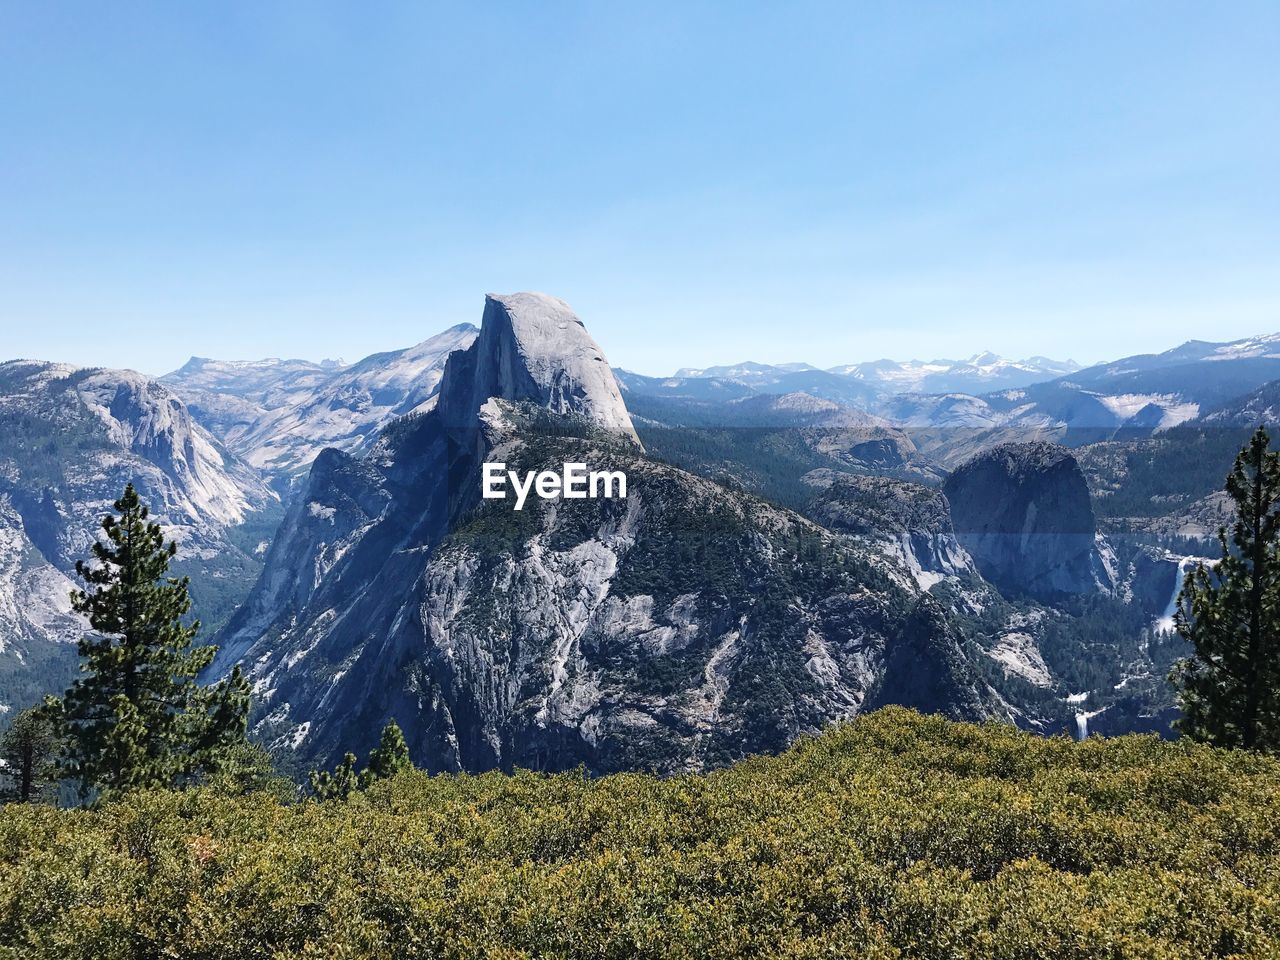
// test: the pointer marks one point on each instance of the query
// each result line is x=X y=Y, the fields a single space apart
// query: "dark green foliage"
x=1153 y=476
x=249 y=768
x=338 y=785
x=28 y=752
x=391 y=755
x=137 y=717
x=768 y=461
x=1089 y=648
x=389 y=758
x=895 y=836
x=45 y=665
x=50 y=432
x=1230 y=688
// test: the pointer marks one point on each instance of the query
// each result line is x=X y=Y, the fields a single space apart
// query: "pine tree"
x=137 y=717
x=1230 y=613
x=389 y=757
x=28 y=750
x=338 y=785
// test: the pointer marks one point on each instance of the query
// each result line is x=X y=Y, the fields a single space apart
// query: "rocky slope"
x=70 y=439
x=1258 y=407
x=279 y=415
x=679 y=628
x=907 y=520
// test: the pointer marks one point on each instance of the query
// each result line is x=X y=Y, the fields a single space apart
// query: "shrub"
x=896 y=835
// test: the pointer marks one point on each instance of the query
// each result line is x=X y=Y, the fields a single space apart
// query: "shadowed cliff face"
x=1022 y=511
x=679 y=628
x=913 y=520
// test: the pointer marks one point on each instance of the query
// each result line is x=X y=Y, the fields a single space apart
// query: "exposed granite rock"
x=680 y=628
x=1022 y=511
x=909 y=519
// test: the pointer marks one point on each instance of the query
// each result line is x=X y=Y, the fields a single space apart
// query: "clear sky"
x=703 y=182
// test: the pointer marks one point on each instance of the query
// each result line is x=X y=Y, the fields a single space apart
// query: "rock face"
x=678 y=628
x=532 y=347
x=909 y=520
x=70 y=439
x=279 y=414
x=1022 y=511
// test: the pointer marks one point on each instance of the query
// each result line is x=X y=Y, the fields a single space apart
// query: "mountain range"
x=981 y=372
x=70 y=439
x=985 y=538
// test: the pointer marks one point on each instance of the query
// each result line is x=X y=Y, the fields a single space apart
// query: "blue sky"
x=702 y=182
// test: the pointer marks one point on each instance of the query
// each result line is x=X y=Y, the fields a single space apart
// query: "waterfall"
x=1082 y=722
x=1165 y=622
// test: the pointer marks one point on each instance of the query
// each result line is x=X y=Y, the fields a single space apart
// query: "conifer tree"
x=338 y=785
x=28 y=751
x=390 y=757
x=137 y=716
x=1230 y=613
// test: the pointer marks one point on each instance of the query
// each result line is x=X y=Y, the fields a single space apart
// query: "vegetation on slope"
x=896 y=835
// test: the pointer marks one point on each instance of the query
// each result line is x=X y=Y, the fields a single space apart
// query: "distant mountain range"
x=982 y=372
x=278 y=415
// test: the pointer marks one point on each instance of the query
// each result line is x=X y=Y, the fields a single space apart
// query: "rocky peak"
x=1022 y=511
x=532 y=347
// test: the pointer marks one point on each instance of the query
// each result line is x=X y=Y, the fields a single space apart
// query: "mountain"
x=228 y=396
x=910 y=521
x=681 y=627
x=980 y=373
x=869 y=382
x=1260 y=406
x=279 y=415
x=726 y=383
x=70 y=439
x=1022 y=511
x=767 y=443
x=1135 y=397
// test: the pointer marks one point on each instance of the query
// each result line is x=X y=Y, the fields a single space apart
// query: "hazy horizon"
x=727 y=361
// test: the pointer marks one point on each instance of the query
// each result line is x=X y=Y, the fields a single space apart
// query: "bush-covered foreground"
x=896 y=835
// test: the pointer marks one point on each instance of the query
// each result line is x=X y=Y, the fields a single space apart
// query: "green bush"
x=896 y=835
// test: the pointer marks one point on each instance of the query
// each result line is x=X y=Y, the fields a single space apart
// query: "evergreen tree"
x=249 y=768
x=137 y=717
x=389 y=757
x=28 y=751
x=338 y=785
x=1230 y=613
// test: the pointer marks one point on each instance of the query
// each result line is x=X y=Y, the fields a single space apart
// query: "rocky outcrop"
x=1022 y=511
x=533 y=348
x=907 y=520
